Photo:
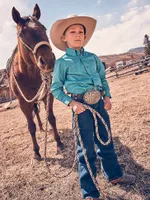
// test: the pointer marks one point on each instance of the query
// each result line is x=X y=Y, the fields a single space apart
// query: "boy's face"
x=74 y=36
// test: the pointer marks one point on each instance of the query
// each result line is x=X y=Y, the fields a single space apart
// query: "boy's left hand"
x=107 y=103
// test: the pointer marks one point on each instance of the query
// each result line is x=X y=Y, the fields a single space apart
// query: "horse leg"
x=52 y=121
x=27 y=109
x=36 y=110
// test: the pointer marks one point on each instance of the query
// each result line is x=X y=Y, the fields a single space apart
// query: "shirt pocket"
x=92 y=66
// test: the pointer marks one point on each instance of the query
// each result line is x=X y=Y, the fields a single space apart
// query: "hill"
x=136 y=50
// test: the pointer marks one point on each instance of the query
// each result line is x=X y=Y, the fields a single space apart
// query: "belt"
x=77 y=96
x=90 y=97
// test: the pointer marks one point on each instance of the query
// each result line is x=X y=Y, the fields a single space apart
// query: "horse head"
x=33 y=43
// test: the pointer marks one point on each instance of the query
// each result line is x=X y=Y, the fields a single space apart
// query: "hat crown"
x=72 y=15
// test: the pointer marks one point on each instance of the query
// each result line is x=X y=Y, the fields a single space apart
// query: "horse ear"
x=16 y=15
x=36 y=12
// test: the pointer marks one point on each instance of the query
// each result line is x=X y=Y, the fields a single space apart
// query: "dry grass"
x=22 y=179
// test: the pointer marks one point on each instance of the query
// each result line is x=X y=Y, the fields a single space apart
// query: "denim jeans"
x=109 y=162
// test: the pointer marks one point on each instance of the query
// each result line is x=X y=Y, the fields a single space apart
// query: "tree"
x=147 y=45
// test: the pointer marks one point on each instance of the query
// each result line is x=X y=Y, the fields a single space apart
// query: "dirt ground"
x=22 y=178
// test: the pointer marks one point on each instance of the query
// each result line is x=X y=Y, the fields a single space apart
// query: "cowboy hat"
x=58 y=28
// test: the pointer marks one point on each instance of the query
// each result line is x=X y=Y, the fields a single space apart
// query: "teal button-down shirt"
x=78 y=72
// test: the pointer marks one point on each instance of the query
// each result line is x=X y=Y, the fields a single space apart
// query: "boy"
x=80 y=72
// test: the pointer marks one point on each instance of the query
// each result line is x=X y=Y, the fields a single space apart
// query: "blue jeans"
x=110 y=165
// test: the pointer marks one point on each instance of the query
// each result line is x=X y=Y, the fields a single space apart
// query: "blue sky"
x=121 y=24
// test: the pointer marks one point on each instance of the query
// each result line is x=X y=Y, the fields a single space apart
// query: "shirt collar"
x=74 y=52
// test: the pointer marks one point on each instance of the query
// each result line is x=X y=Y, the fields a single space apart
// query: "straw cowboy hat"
x=61 y=25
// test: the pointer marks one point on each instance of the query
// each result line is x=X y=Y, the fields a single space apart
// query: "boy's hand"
x=77 y=107
x=107 y=103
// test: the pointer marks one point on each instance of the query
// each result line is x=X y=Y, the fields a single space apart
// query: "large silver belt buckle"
x=92 y=96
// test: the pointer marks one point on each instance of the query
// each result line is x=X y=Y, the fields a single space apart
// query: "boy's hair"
x=84 y=28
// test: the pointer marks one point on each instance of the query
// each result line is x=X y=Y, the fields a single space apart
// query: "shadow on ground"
x=129 y=165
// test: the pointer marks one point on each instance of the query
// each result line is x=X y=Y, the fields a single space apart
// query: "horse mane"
x=11 y=60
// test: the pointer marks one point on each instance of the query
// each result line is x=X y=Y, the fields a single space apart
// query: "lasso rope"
x=76 y=131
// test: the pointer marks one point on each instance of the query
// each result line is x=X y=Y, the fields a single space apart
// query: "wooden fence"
x=136 y=68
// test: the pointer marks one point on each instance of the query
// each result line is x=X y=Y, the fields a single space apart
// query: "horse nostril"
x=42 y=61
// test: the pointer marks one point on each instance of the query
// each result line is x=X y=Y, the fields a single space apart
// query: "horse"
x=33 y=59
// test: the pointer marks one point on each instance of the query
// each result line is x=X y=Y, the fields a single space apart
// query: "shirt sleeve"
x=102 y=74
x=58 y=81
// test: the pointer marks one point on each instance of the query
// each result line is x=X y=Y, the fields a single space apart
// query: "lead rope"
x=39 y=93
x=76 y=131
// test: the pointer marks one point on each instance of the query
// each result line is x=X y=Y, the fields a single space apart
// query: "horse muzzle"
x=44 y=66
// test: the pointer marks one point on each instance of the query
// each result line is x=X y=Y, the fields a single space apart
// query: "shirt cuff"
x=107 y=94
x=66 y=99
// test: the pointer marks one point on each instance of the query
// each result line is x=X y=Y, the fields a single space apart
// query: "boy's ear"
x=63 y=38
x=84 y=36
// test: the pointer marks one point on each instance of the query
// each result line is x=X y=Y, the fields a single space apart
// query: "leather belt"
x=77 y=96
x=90 y=97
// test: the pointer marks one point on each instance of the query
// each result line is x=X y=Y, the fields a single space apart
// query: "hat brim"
x=60 y=26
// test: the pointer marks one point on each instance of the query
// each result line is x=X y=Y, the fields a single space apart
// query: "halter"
x=34 y=50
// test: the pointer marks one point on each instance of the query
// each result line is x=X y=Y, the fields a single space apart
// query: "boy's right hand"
x=77 y=107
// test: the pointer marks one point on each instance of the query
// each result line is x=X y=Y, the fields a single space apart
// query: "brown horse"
x=32 y=58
